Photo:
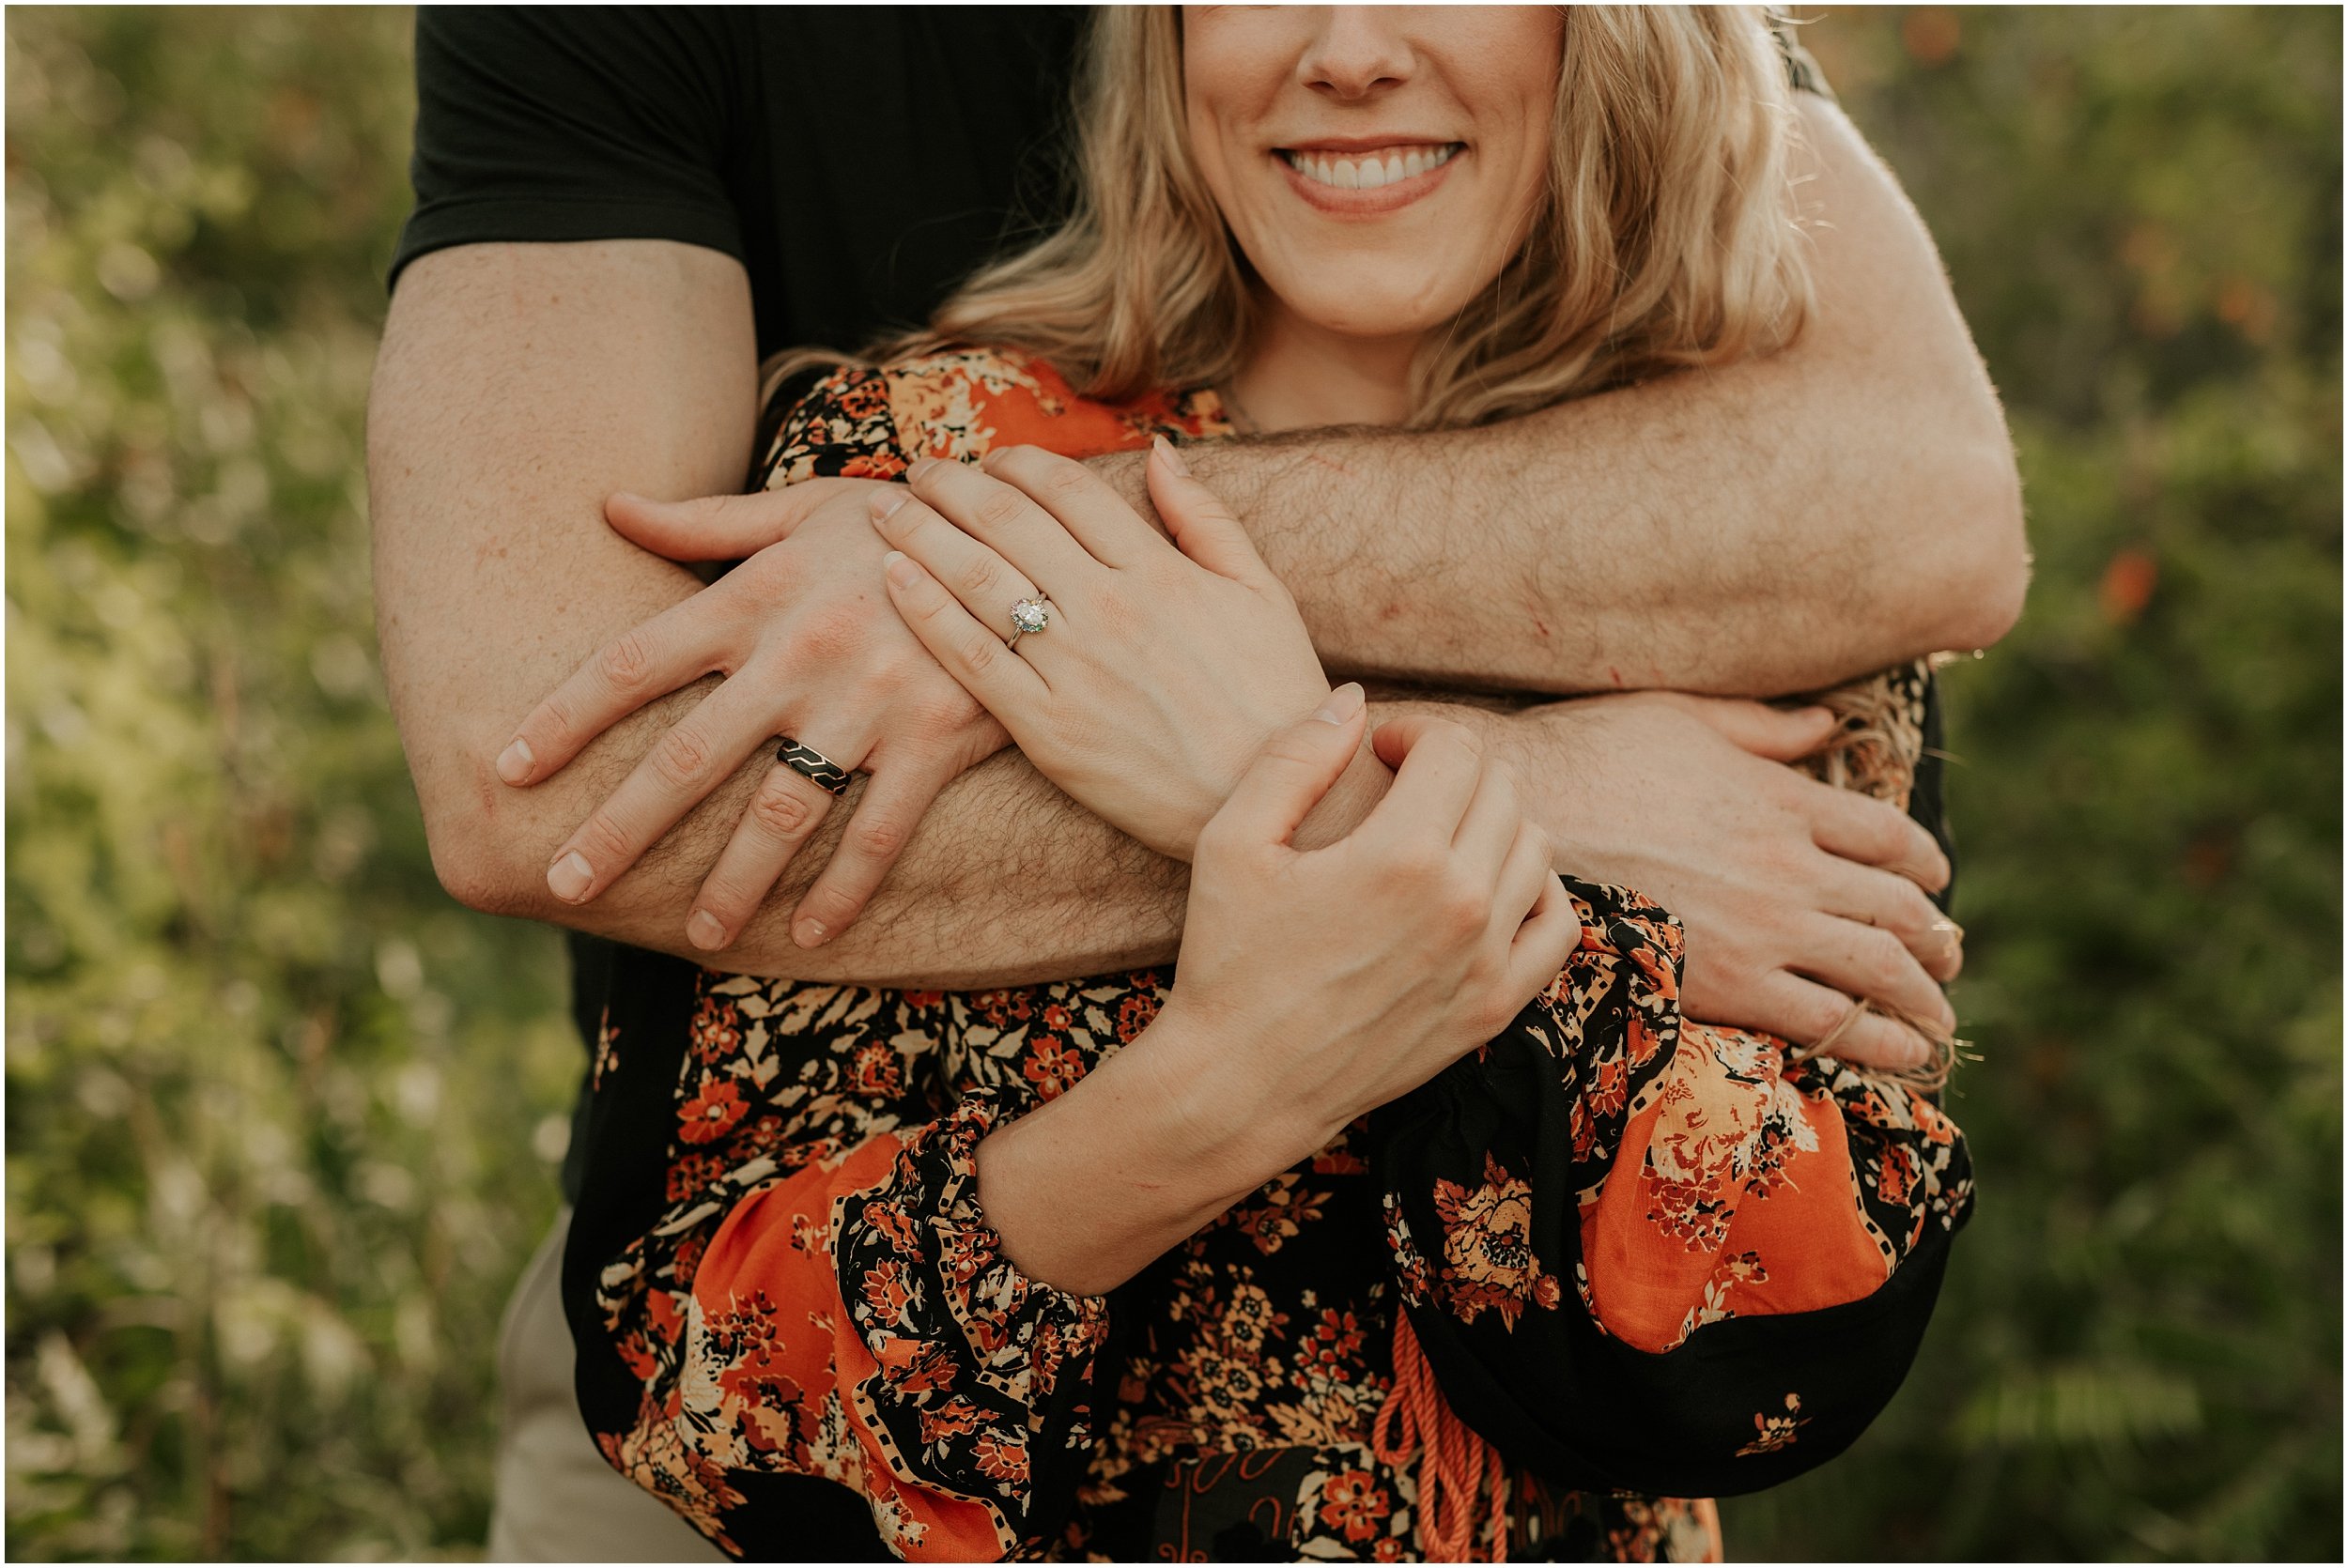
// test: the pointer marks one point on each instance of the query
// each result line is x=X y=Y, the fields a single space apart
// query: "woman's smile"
x=1366 y=177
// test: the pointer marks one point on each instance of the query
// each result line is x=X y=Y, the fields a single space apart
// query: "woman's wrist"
x=1091 y=1186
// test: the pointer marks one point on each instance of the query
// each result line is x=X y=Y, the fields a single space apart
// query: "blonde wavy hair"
x=1667 y=236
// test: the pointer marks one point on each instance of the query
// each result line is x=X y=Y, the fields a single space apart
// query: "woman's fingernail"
x=901 y=569
x=1343 y=704
x=515 y=761
x=569 y=878
x=1173 y=459
x=918 y=467
x=705 y=932
x=808 y=933
x=885 y=502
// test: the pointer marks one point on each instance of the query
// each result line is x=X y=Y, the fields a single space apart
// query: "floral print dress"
x=787 y=1299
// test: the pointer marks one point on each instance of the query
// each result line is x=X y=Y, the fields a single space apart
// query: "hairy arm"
x=1772 y=527
x=518 y=387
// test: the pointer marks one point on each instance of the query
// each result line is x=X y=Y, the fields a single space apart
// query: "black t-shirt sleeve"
x=561 y=124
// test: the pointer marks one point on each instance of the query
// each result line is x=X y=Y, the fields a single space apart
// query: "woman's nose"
x=1357 y=52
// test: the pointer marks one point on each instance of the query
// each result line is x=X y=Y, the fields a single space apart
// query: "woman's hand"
x=1313 y=986
x=808 y=650
x=1326 y=983
x=1164 y=666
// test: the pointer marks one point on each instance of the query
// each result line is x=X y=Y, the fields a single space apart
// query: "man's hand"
x=1796 y=897
x=810 y=650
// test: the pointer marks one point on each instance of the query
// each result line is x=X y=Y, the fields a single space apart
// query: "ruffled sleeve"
x=1650 y=1255
x=858 y=1321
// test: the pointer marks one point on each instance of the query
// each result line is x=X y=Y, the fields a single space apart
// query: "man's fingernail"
x=569 y=878
x=1343 y=704
x=515 y=761
x=808 y=933
x=1815 y=714
x=705 y=932
x=918 y=467
x=885 y=502
x=901 y=569
x=1173 y=459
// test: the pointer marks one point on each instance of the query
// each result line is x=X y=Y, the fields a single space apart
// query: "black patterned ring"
x=811 y=765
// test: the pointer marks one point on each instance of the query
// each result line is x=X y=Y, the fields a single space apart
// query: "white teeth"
x=1369 y=174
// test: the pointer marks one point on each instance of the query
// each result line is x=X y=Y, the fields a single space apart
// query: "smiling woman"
x=1246 y=131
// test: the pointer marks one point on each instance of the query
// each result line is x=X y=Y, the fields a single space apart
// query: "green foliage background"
x=281 y=1118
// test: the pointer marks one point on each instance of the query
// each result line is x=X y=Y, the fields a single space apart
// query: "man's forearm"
x=1771 y=527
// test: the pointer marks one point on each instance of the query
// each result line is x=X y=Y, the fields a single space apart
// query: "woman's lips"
x=1333 y=183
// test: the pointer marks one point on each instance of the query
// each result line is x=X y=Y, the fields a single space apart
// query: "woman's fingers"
x=673 y=648
x=895 y=797
x=780 y=817
x=1295 y=768
x=1005 y=684
x=1490 y=829
x=697 y=754
x=1525 y=877
x=1001 y=516
x=1100 y=520
x=1201 y=525
x=1866 y=960
x=1547 y=937
x=1804 y=1014
x=1892 y=902
x=1437 y=767
x=984 y=583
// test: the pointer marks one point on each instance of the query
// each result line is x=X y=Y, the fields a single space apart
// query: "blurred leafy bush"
x=2137 y=1354
x=275 y=1135
x=281 y=1118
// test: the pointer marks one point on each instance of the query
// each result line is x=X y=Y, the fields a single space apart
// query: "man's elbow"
x=474 y=855
x=1988 y=573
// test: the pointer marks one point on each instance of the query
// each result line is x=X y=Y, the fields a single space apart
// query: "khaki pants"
x=557 y=1501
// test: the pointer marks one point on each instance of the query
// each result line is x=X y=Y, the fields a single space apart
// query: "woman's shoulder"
x=961 y=402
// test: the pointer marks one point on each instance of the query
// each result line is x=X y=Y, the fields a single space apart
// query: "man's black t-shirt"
x=858 y=160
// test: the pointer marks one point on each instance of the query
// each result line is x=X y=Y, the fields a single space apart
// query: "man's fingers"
x=1437 y=767
x=1780 y=734
x=697 y=754
x=1892 y=902
x=781 y=816
x=1802 y=1013
x=1198 y=522
x=1111 y=531
x=1296 y=767
x=1875 y=833
x=895 y=798
x=673 y=648
x=1004 y=684
x=1865 y=960
x=717 y=527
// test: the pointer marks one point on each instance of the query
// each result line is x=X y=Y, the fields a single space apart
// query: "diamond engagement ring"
x=1026 y=615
